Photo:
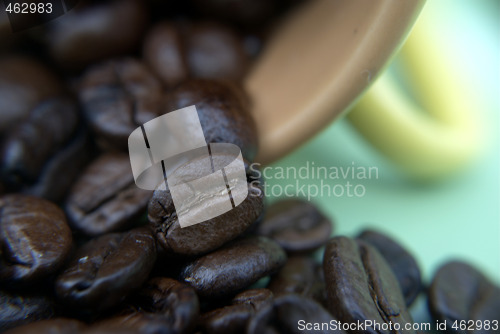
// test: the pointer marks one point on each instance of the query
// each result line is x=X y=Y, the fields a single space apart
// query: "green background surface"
x=457 y=217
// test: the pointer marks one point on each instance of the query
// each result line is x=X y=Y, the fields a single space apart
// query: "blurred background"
x=456 y=216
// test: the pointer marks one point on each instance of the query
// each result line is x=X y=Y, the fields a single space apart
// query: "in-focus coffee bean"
x=105 y=269
x=234 y=266
x=34 y=237
x=402 y=263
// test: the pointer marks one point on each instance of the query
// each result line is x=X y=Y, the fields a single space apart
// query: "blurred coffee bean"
x=91 y=33
x=105 y=269
x=298 y=226
x=105 y=198
x=290 y=314
x=198 y=50
x=459 y=293
x=208 y=235
x=51 y=326
x=20 y=309
x=163 y=51
x=402 y=263
x=133 y=323
x=34 y=238
x=234 y=318
x=30 y=144
x=215 y=52
x=223 y=109
x=116 y=97
x=24 y=83
x=300 y=275
x=234 y=266
x=177 y=302
x=361 y=286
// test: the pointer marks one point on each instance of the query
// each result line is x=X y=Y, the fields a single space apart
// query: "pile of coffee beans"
x=84 y=250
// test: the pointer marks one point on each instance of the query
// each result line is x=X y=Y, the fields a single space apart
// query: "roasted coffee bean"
x=234 y=266
x=254 y=297
x=20 y=309
x=361 y=286
x=298 y=226
x=29 y=145
x=215 y=52
x=402 y=263
x=198 y=50
x=105 y=198
x=163 y=51
x=208 y=235
x=105 y=269
x=176 y=301
x=300 y=275
x=290 y=314
x=223 y=109
x=459 y=293
x=24 y=83
x=50 y=326
x=90 y=33
x=117 y=96
x=34 y=238
x=136 y=322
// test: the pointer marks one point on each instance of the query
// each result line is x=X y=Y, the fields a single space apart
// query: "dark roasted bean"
x=208 y=235
x=215 y=52
x=28 y=146
x=34 y=238
x=460 y=293
x=134 y=323
x=105 y=269
x=24 y=83
x=402 y=263
x=223 y=109
x=297 y=225
x=51 y=326
x=118 y=96
x=176 y=301
x=288 y=313
x=255 y=297
x=105 y=198
x=234 y=267
x=361 y=286
x=300 y=275
x=91 y=33
x=17 y=309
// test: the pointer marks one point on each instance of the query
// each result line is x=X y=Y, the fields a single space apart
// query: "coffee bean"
x=287 y=313
x=361 y=286
x=51 y=326
x=460 y=293
x=163 y=51
x=118 y=96
x=34 y=238
x=234 y=318
x=402 y=263
x=105 y=198
x=234 y=267
x=105 y=269
x=28 y=146
x=24 y=83
x=223 y=109
x=177 y=302
x=215 y=52
x=208 y=235
x=90 y=33
x=20 y=309
x=298 y=226
x=133 y=323
x=300 y=275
